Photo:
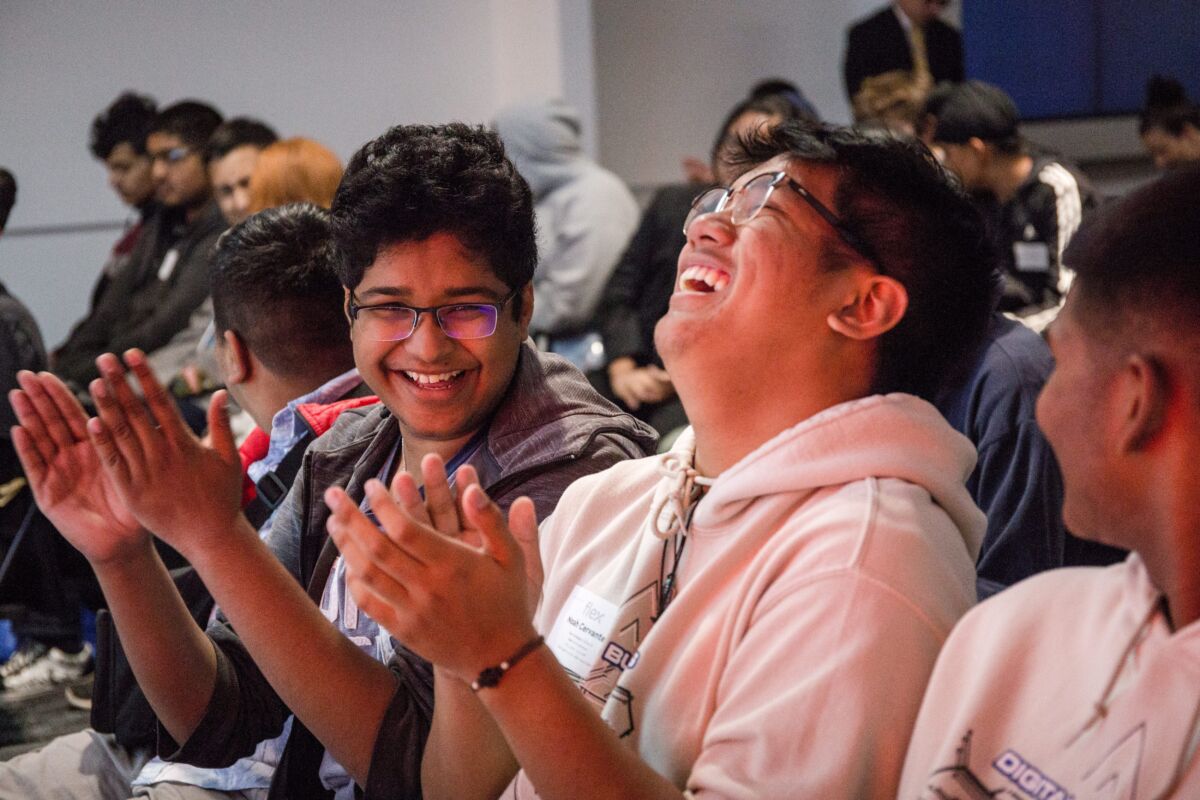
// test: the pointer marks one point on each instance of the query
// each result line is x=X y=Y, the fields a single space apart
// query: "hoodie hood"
x=543 y=142
x=882 y=436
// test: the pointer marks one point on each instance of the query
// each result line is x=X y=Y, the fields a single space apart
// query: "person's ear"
x=526 y=295
x=875 y=307
x=1143 y=395
x=236 y=362
x=346 y=309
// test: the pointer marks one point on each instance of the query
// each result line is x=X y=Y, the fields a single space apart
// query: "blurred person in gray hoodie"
x=585 y=217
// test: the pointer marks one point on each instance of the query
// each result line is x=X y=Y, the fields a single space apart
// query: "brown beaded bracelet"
x=491 y=676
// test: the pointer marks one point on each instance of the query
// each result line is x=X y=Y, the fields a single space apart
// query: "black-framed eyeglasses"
x=746 y=201
x=392 y=322
x=171 y=156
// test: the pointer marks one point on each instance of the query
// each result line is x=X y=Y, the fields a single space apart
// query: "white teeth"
x=703 y=279
x=424 y=378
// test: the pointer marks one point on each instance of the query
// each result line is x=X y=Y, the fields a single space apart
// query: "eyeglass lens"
x=743 y=203
x=393 y=323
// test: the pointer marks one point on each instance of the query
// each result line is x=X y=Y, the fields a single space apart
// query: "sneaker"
x=36 y=665
x=79 y=694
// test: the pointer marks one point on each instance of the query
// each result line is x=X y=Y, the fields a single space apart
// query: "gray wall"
x=338 y=72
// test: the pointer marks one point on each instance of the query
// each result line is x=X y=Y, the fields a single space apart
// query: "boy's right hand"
x=64 y=472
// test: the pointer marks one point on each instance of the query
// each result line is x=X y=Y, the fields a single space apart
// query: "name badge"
x=1031 y=256
x=168 y=264
x=582 y=628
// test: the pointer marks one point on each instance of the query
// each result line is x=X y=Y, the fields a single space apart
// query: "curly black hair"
x=128 y=120
x=918 y=227
x=418 y=180
x=274 y=283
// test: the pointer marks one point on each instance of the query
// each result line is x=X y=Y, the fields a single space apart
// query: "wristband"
x=491 y=676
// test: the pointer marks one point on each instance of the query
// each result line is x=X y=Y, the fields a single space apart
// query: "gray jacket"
x=549 y=429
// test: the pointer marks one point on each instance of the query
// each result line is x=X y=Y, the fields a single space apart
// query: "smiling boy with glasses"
x=435 y=230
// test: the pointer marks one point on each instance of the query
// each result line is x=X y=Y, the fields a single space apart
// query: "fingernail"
x=476 y=497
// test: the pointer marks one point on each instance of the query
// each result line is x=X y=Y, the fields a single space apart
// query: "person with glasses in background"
x=167 y=277
x=756 y=612
x=436 y=239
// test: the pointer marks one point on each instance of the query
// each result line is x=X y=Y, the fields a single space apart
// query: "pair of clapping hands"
x=448 y=576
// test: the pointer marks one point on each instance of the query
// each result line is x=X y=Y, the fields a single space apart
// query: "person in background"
x=1082 y=683
x=39 y=589
x=1169 y=124
x=585 y=216
x=167 y=277
x=292 y=171
x=892 y=101
x=1034 y=201
x=232 y=152
x=118 y=138
x=903 y=35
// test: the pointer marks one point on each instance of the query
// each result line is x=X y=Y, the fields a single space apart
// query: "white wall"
x=668 y=71
x=338 y=72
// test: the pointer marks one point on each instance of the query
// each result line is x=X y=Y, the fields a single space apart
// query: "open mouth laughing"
x=431 y=380
x=703 y=280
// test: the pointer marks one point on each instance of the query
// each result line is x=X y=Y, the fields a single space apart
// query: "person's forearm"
x=565 y=748
x=173 y=661
x=338 y=691
x=458 y=719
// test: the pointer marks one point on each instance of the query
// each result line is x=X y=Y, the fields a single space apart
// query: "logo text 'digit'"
x=1028 y=778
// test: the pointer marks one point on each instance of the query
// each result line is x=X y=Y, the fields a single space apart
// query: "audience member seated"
x=285 y=354
x=1016 y=481
x=433 y=226
x=700 y=171
x=167 y=277
x=1034 y=201
x=118 y=138
x=904 y=35
x=756 y=613
x=1169 y=124
x=637 y=294
x=585 y=216
x=231 y=153
x=1082 y=683
x=893 y=101
x=295 y=170
x=38 y=589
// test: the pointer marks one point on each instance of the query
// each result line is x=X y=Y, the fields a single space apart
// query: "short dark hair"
x=8 y=195
x=918 y=227
x=274 y=283
x=975 y=110
x=1137 y=260
x=127 y=119
x=418 y=180
x=192 y=121
x=238 y=132
x=766 y=103
x=1167 y=107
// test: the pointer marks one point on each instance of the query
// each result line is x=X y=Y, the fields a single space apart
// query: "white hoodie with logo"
x=820 y=576
x=1068 y=686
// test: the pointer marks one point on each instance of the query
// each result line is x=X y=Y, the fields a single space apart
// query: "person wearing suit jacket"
x=884 y=42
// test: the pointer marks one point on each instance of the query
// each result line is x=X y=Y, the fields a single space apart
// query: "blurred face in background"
x=129 y=174
x=230 y=176
x=180 y=177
